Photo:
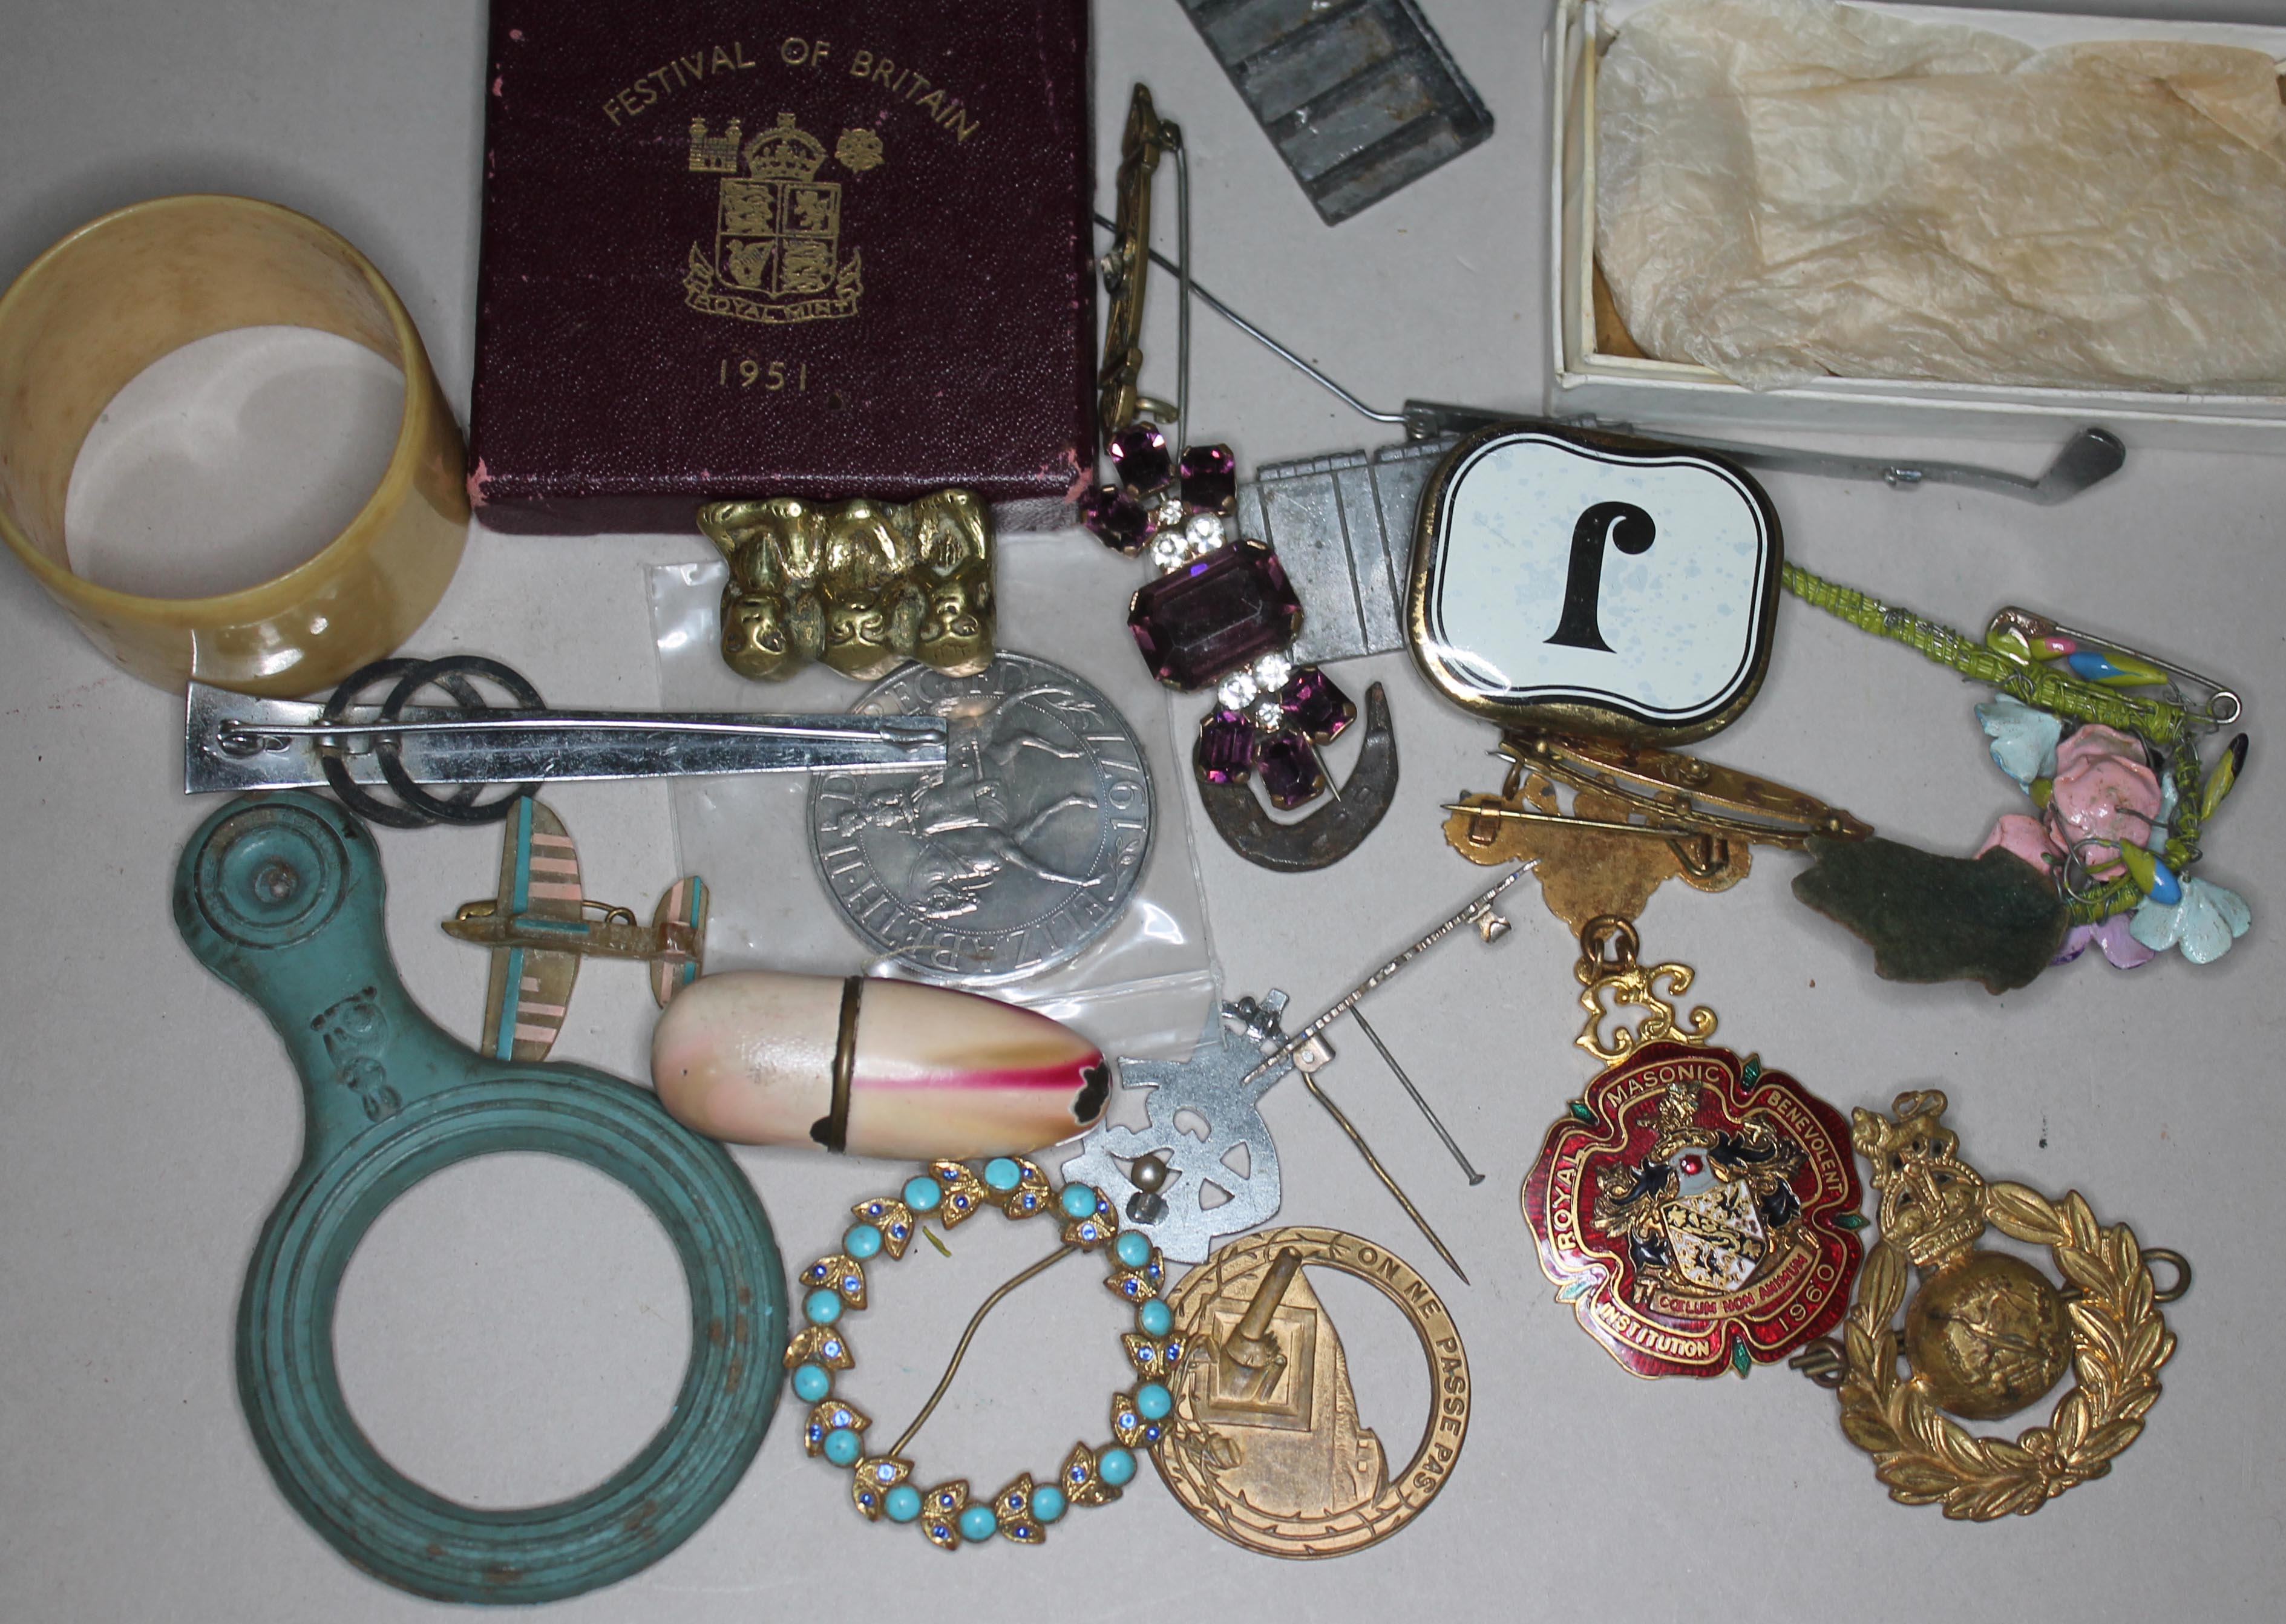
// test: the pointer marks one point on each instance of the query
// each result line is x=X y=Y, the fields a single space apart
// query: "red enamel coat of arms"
x=1698 y=1212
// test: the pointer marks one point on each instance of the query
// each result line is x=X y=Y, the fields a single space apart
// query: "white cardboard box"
x=1588 y=382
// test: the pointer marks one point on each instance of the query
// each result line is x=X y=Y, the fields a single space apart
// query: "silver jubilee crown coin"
x=1012 y=857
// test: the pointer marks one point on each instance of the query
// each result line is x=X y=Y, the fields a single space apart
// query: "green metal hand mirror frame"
x=281 y=897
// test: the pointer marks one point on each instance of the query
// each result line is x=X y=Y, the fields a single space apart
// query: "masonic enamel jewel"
x=1696 y=1210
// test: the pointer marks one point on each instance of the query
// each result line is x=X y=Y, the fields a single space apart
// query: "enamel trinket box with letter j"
x=1584 y=582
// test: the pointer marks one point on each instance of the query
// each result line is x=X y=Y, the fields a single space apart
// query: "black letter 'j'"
x=1625 y=526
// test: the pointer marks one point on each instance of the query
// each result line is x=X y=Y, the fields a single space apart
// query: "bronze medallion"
x=1267 y=1445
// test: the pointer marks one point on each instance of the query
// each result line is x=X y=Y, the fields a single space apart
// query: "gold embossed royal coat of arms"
x=776 y=256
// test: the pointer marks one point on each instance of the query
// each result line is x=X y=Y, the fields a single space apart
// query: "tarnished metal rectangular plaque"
x=1342 y=524
x=1360 y=96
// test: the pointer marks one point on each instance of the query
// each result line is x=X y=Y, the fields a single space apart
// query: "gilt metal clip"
x=1680 y=797
x=1127 y=270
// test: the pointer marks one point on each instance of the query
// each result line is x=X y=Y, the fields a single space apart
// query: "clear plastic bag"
x=1140 y=988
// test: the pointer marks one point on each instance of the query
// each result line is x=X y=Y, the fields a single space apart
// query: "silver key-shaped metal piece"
x=1218 y=1089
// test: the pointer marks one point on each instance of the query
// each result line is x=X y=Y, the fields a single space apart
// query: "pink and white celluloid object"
x=874 y=1067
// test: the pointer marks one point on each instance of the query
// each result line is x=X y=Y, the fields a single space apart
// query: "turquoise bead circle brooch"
x=881 y=1483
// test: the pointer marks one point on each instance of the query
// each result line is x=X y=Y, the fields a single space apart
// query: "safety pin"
x=1309 y=1055
x=1697 y=849
x=2087 y=457
x=237 y=736
x=1127 y=274
x=1667 y=784
x=2077 y=648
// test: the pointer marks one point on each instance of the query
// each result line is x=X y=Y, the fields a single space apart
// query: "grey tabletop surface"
x=509 y=1333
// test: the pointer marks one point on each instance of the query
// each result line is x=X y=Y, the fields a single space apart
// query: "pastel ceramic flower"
x=2092 y=743
x=2104 y=792
x=2028 y=838
x=2101 y=794
x=2202 y=925
x=2115 y=936
x=2025 y=836
x=2024 y=739
x=2159 y=830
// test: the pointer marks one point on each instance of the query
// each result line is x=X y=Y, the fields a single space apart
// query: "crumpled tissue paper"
x=1788 y=189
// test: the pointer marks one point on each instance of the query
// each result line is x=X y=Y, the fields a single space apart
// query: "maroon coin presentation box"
x=782 y=248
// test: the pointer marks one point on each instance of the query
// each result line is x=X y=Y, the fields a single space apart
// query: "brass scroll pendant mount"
x=1608 y=964
x=1986 y=1334
x=1592 y=859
